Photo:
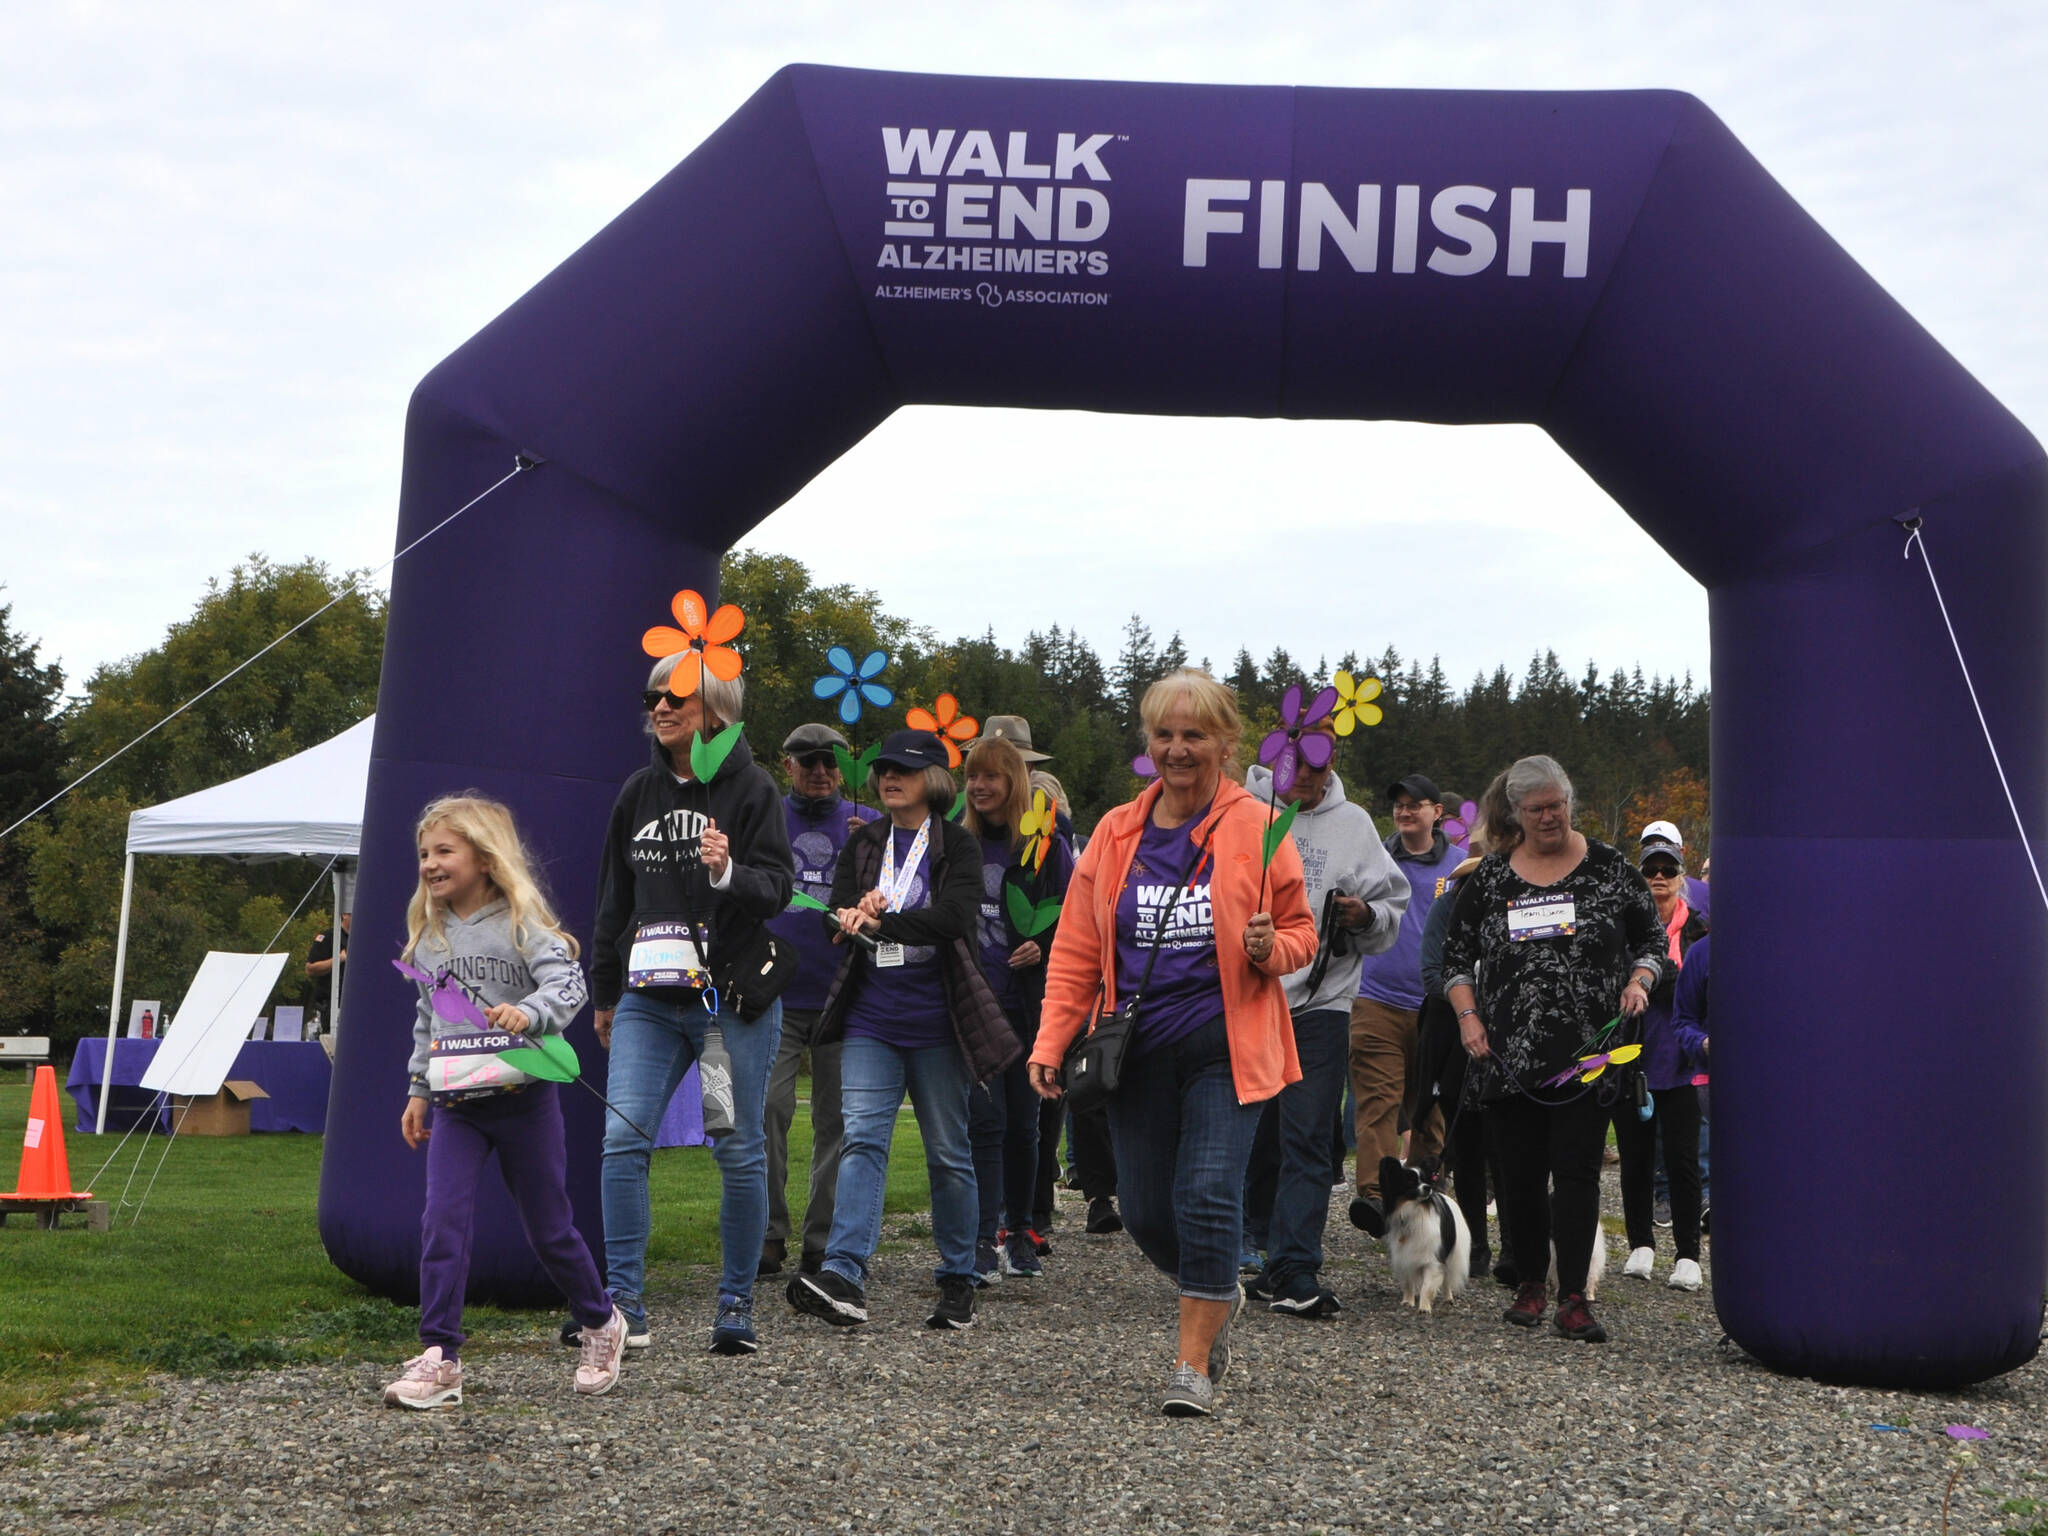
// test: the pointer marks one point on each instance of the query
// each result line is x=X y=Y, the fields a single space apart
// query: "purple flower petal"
x=1320 y=706
x=1284 y=767
x=1316 y=749
x=1143 y=767
x=1290 y=704
x=1271 y=747
x=1966 y=1432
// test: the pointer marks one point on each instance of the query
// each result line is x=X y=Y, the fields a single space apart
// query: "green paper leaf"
x=1028 y=918
x=547 y=1057
x=707 y=757
x=1278 y=830
x=867 y=761
x=847 y=770
x=807 y=901
x=959 y=806
x=1020 y=908
x=1043 y=916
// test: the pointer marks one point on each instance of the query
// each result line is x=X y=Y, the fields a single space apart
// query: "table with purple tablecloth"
x=295 y=1074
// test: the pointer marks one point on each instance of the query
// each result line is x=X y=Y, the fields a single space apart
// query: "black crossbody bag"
x=1094 y=1065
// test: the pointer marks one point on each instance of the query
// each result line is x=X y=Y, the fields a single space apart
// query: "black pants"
x=1439 y=1078
x=1678 y=1112
x=1550 y=1182
x=1094 y=1159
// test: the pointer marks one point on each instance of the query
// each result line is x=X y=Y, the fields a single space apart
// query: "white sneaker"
x=597 y=1368
x=1639 y=1263
x=428 y=1382
x=1685 y=1275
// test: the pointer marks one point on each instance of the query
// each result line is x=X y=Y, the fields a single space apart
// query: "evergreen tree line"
x=1635 y=748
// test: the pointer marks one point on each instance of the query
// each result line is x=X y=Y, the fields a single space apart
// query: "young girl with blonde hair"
x=480 y=925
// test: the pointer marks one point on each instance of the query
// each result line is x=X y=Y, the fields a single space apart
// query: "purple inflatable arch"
x=1611 y=266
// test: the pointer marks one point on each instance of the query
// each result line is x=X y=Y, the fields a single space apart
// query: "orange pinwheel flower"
x=701 y=640
x=945 y=721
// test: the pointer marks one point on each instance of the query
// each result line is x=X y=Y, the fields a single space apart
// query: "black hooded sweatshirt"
x=653 y=864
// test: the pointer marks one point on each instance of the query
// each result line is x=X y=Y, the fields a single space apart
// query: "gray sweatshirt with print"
x=1340 y=851
x=480 y=951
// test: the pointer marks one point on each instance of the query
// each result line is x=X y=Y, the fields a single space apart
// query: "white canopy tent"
x=308 y=806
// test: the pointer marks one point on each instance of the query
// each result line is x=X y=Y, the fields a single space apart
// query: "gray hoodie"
x=479 y=951
x=1341 y=852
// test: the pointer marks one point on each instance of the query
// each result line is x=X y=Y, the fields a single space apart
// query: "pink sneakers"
x=429 y=1381
x=597 y=1368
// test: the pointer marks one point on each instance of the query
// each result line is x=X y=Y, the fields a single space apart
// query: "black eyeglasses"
x=816 y=760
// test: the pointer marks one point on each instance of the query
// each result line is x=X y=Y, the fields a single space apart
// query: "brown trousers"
x=1382 y=1052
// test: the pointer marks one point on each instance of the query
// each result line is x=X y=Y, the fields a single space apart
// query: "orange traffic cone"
x=45 y=1170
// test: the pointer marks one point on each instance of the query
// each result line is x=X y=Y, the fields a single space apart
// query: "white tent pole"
x=334 y=971
x=114 y=1007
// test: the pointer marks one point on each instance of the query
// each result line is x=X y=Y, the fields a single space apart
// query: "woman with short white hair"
x=1551 y=939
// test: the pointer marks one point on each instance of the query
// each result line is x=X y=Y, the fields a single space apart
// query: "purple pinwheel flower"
x=1286 y=749
x=851 y=685
x=1459 y=827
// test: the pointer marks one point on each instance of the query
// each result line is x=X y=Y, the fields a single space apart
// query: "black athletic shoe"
x=1258 y=1287
x=830 y=1296
x=955 y=1307
x=1302 y=1296
x=1102 y=1216
x=1367 y=1216
x=1506 y=1273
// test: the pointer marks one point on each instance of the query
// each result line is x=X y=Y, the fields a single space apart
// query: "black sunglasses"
x=1660 y=871
x=816 y=760
x=654 y=696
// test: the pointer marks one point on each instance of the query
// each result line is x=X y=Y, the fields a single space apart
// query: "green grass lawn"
x=225 y=1270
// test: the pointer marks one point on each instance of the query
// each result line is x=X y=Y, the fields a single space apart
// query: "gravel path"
x=1044 y=1418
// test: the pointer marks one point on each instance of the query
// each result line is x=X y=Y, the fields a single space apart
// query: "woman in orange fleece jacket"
x=1180 y=867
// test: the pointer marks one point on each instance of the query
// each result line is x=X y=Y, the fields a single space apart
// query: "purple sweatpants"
x=525 y=1128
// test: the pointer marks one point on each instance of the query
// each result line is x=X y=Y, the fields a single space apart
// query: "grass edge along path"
x=225 y=1271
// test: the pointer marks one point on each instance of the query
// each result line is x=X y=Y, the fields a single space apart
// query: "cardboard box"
x=225 y=1113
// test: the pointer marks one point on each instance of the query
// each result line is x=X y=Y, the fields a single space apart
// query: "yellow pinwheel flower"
x=1354 y=702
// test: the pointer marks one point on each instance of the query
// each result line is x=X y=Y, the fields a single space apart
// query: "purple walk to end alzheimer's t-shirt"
x=904 y=1005
x=817 y=831
x=1184 y=992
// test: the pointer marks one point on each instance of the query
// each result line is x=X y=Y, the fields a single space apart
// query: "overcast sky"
x=237 y=235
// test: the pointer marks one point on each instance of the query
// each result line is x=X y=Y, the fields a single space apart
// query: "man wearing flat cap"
x=820 y=818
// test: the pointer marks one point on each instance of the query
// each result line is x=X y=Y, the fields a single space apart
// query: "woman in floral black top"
x=1547 y=943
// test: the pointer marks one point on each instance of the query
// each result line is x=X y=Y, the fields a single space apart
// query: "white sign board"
x=288 y=1024
x=212 y=1022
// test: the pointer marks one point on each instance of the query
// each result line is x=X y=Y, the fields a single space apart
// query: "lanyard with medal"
x=895 y=886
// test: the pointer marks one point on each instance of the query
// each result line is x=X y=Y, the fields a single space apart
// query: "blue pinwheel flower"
x=851 y=685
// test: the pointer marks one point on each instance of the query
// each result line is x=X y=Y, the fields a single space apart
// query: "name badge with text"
x=666 y=954
x=888 y=954
x=1541 y=917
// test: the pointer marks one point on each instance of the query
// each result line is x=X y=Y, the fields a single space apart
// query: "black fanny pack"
x=754 y=975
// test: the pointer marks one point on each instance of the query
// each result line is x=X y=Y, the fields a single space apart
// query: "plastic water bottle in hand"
x=714 y=1069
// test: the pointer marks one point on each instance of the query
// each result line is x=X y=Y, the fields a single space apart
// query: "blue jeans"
x=1182 y=1141
x=1301 y=1199
x=873 y=1077
x=653 y=1043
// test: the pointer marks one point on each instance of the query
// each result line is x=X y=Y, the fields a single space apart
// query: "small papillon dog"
x=1429 y=1247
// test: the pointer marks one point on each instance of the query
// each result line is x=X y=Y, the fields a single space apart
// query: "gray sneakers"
x=1189 y=1394
x=1219 y=1352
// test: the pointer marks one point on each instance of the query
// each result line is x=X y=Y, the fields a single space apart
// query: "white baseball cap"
x=1662 y=832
